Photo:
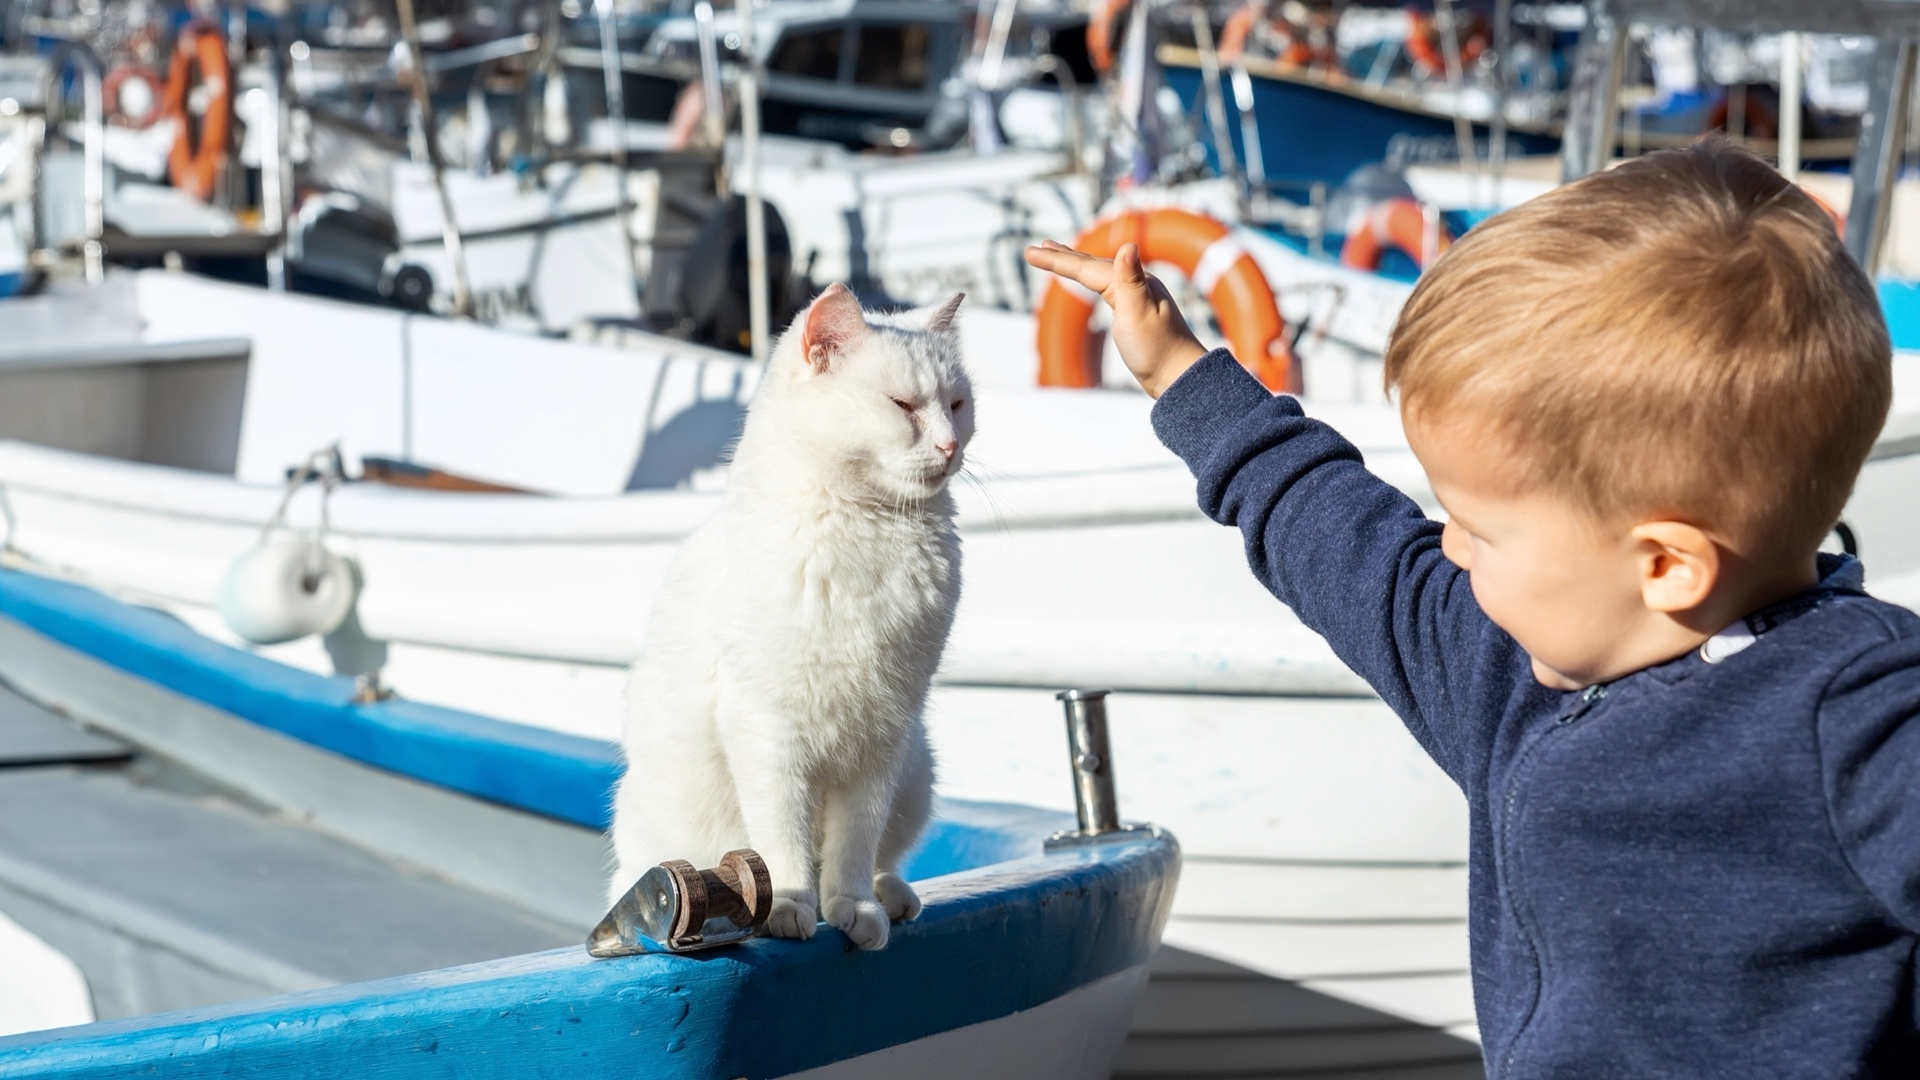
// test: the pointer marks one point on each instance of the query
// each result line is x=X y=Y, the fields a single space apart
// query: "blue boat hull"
x=1317 y=134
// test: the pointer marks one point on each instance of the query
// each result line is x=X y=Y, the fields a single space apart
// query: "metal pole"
x=617 y=124
x=996 y=54
x=1250 y=138
x=94 y=158
x=423 y=105
x=1456 y=82
x=1502 y=93
x=715 y=119
x=1092 y=761
x=1070 y=105
x=93 y=145
x=230 y=185
x=1587 y=145
x=1876 y=159
x=273 y=170
x=1216 y=97
x=1790 y=105
x=757 y=314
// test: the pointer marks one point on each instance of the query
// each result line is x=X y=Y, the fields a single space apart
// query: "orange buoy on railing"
x=1205 y=250
x=1400 y=224
x=1298 y=50
x=1238 y=28
x=1428 y=52
x=1103 y=29
x=193 y=164
x=119 y=85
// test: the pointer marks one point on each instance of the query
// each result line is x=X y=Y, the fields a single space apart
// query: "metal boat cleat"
x=1091 y=756
x=676 y=908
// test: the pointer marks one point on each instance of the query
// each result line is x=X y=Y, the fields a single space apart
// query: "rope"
x=324 y=467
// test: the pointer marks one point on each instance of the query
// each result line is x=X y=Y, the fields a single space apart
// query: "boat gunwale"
x=765 y=1007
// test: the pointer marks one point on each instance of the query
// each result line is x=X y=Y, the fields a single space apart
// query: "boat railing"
x=93 y=150
x=1592 y=106
x=1072 y=106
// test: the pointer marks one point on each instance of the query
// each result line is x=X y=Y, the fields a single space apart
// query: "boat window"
x=810 y=54
x=894 y=57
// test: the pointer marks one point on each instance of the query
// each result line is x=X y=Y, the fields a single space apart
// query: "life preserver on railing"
x=122 y=83
x=1400 y=224
x=193 y=163
x=1206 y=251
x=1239 y=29
x=1103 y=26
x=1429 y=53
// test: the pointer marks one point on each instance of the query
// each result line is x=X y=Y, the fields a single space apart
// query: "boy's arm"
x=1870 y=752
x=1352 y=556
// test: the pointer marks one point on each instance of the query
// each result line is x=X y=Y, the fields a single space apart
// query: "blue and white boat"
x=455 y=832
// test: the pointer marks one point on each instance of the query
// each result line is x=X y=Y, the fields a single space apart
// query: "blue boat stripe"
x=990 y=943
x=546 y=772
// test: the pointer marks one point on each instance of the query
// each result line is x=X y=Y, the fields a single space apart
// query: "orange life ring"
x=193 y=164
x=1205 y=250
x=116 y=81
x=1302 y=53
x=1103 y=25
x=1234 y=35
x=1299 y=52
x=1427 y=52
x=1392 y=223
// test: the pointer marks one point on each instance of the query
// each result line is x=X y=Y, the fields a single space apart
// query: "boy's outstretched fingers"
x=1090 y=271
x=1154 y=341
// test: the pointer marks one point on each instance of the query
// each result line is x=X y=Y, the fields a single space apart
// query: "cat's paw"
x=863 y=921
x=793 y=916
x=897 y=897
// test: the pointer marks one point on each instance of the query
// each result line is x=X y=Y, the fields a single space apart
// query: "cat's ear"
x=834 y=325
x=942 y=320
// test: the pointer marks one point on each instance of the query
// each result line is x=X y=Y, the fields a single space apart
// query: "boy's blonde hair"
x=1681 y=337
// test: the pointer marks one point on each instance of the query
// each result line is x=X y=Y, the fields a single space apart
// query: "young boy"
x=1690 y=744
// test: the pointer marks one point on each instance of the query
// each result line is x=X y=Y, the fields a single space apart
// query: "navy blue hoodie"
x=1698 y=869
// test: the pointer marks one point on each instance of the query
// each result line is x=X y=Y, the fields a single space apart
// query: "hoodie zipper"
x=1589 y=698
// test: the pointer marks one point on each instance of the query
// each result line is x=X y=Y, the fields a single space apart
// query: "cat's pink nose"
x=947 y=449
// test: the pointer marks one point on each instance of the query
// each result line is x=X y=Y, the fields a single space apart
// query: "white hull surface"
x=39 y=986
x=1024 y=1045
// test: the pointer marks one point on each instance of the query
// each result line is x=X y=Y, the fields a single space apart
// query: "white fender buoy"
x=285 y=589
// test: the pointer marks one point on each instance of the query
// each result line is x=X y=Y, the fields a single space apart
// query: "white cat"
x=778 y=703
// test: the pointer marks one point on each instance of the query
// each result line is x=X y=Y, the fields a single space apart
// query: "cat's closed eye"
x=907 y=406
x=959 y=403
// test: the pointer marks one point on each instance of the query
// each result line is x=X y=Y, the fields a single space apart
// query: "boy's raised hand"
x=1153 y=338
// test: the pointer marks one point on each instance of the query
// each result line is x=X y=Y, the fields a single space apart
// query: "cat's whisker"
x=986 y=493
x=987 y=485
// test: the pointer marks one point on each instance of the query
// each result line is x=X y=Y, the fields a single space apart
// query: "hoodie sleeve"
x=1870 y=753
x=1355 y=558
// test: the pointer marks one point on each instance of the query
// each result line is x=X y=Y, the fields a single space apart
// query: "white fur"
x=778 y=703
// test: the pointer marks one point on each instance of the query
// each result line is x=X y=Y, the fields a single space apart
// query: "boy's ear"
x=834 y=324
x=1679 y=565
